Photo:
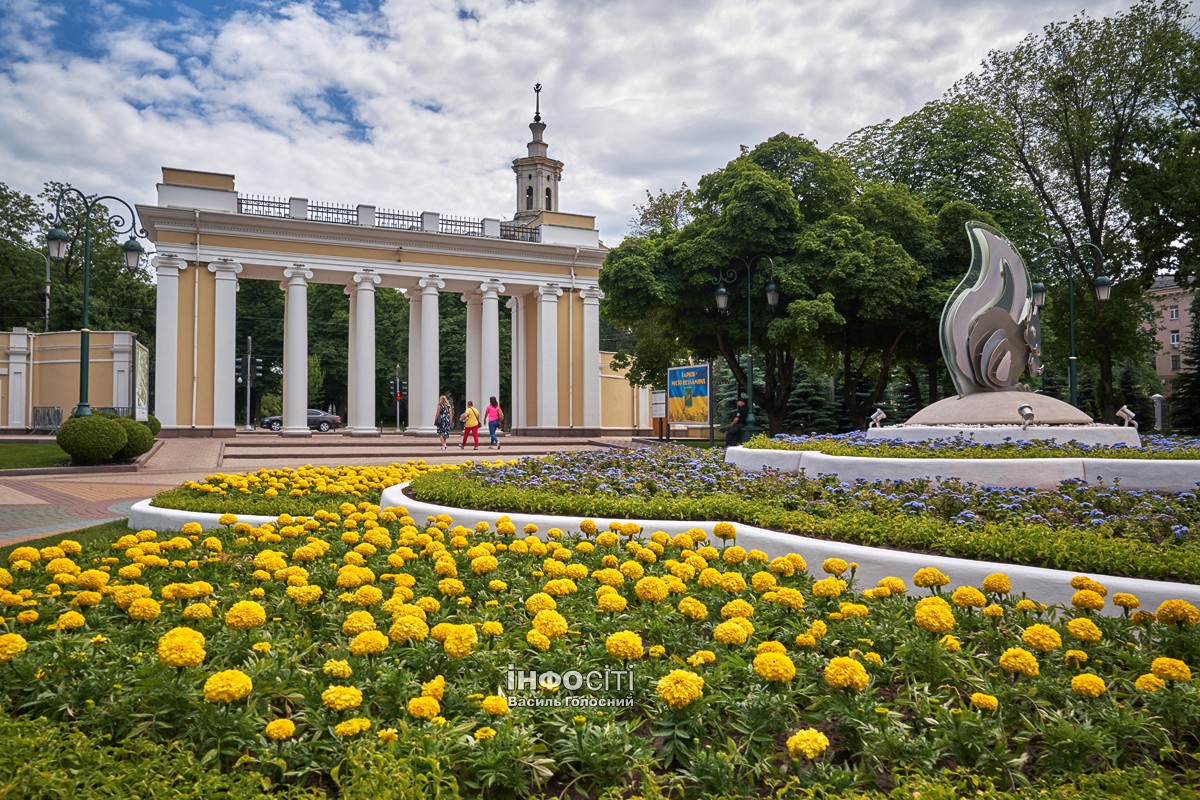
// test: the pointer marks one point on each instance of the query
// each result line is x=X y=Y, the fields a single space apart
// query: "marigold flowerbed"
x=577 y=662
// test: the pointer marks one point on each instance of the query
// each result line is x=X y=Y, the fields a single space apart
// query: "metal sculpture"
x=990 y=332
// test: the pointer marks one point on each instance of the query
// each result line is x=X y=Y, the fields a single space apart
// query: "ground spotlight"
x=1128 y=416
x=1026 y=412
x=877 y=418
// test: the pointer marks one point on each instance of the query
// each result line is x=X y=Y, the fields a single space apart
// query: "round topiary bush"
x=91 y=440
x=139 y=440
x=153 y=424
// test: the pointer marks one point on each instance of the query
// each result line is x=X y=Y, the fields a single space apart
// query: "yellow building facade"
x=39 y=377
x=544 y=265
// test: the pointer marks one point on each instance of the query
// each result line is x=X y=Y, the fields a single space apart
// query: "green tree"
x=1069 y=102
x=1185 y=387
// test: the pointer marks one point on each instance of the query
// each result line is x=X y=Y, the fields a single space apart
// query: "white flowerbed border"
x=1048 y=586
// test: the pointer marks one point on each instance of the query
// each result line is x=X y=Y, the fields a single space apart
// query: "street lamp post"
x=730 y=275
x=1101 y=287
x=57 y=239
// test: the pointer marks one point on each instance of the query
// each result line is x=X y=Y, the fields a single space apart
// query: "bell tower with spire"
x=537 y=174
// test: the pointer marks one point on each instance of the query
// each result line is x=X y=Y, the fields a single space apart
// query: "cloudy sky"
x=421 y=105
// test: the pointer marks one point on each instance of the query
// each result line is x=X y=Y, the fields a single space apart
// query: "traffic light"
x=402 y=390
x=258 y=372
x=240 y=369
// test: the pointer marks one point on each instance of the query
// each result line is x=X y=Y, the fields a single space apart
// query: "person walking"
x=493 y=416
x=734 y=435
x=470 y=421
x=441 y=419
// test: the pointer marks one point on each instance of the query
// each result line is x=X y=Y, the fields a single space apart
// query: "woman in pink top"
x=493 y=416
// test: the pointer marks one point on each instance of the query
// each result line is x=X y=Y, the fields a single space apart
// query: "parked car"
x=317 y=420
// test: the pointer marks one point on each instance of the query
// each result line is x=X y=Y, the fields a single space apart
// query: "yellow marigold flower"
x=829 y=587
x=853 y=610
x=679 y=687
x=625 y=645
x=32 y=555
x=893 y=585
x=772 y=666
x=357 y=622
x=245 y=615
x=495 y=704
x=540 y=602
x=11 y=646
x=368 y=643
x=701 y=657
x=951 y=643
x=611 y=602
x=730 y=633
x=968 y=597
x=1025 y=604
x=993 y=611
x=497 y=586
x=1142 y=617
x=873 y=658
x=1084 y=630
x=227 y=686
x=1016 y=659
x=771 y=647
x=724 y=531
x=1087 y=600
x=934 y=615
x=984 y=702
x=69 y=621
x=550 y=623
x=181 y=647
x=929 y=577
x=407 y=628
x=462 y=638
x=450 y=586
x=1177 y=612
x=352 y=727
x=435 y=688
x=492 y=628
x=1149 y=682
x=538 y=640
x=486 y=732
x=424 y=707
x=834 y=566
x=27 y=617
x=997 y=583
x=280 y=729
x=1084 y=582
x=1126 y=600
x=734 y=555
x=1088 y=685
x=846 y=673
x=809 y=743
x=367 y=595
x=651 y=589
x=342 y=698
x=87 y=599
x=337 y=669
x=1171 y=669
x=736 y=608
x=1042 y=637
x=1075 y=658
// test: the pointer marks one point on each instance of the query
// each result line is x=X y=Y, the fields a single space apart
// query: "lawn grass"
x=106 y=532
x=27 y=455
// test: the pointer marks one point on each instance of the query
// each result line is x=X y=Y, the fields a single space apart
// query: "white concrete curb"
x=1049 y=586
x=1160 y=475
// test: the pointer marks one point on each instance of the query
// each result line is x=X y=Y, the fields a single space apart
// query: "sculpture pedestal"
x=993 y=417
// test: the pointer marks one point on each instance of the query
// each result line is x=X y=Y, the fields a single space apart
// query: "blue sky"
x=421 y=105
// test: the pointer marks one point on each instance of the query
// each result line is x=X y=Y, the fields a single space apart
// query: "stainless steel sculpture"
x=989 y=330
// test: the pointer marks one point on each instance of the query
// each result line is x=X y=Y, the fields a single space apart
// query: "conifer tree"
x=1185 y=387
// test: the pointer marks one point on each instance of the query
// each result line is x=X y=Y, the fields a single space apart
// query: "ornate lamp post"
x=730 y=275
x=1101 y=287
x=57 y=239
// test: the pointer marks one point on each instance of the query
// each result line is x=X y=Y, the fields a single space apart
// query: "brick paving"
x=57 y=501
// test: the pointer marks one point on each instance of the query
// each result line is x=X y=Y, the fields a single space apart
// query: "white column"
x=591 y=296
x=166 y=337
x=430 y=357
x=420 y=418
x=362 y=420
x=295 y=350
x=547 y=354
x=351 y=361
x=224 y=342
x=473 y=351
x=516 y=412
x=489 y=332
x=19 y=359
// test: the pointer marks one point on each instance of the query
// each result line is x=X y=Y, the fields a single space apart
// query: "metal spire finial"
x=537 y=94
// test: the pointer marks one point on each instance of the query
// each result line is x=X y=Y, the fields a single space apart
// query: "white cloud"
x=424 y=104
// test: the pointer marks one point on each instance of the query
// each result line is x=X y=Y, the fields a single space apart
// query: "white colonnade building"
x=544 y=266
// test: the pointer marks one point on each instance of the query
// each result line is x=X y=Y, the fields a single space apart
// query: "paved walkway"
x=57 y=501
